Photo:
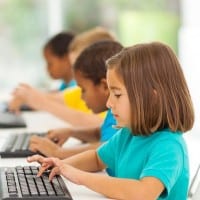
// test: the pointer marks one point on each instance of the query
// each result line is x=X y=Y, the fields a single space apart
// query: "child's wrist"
x=58 y=152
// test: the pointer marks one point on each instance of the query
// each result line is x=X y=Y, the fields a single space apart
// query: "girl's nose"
x=108 y=103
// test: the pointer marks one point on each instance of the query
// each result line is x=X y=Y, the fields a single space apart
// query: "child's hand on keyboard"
x=59 y=167
x=36 y=158
x=69 y=172
x=44 y=146
x=59 y=136
x=45 y=163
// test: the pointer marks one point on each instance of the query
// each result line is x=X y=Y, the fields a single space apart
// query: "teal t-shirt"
x=107 y=130
x=64 y=85
x=162 y=155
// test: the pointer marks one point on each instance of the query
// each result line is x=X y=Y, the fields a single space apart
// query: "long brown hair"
x=156 y=86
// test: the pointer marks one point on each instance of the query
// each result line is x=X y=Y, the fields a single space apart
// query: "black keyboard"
x=22 y=183
x=11 y=120
x=4 y=107
x=17 y=145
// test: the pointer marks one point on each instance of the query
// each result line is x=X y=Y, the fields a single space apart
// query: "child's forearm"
x=72 y=116
x=86 y=161
x=56 y=96
x=122 y=188
x=86 y=135
x=65 y=153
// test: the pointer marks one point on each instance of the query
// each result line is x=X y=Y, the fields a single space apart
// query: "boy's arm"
x=51 y=149
x=56 y=96
x=86 y=134
x=40 y=101
x=61 y=135
x=74 y=117
x=66 y=153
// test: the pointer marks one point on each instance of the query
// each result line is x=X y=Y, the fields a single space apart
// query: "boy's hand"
x=59 y=136
x=44 y=146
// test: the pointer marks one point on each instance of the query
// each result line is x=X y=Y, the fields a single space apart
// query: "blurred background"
x=25 y=25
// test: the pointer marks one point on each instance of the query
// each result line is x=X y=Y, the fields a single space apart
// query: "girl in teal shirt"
x=147 y=159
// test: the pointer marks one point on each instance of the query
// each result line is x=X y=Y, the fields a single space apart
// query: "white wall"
x=189 y=53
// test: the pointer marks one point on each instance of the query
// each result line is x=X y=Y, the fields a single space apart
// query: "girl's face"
x=95 y=96
x=118 y=100
x=58 y=68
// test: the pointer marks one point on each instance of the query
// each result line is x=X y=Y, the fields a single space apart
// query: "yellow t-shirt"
x=72 y=98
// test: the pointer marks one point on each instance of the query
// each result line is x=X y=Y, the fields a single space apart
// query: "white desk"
x=40 y=121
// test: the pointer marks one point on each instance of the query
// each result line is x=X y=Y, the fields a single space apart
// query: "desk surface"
x=41 y=121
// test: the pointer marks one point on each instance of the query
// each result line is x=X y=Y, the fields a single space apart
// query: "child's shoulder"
x=168 y=136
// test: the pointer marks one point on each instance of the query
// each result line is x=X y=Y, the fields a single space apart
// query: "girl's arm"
x=148 y=188
x=78 y=169
x=86 y=161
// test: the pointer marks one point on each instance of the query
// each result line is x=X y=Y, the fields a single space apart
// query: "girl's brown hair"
x=156 y=86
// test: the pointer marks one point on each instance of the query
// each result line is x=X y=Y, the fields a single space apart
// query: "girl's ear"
x=104 y=83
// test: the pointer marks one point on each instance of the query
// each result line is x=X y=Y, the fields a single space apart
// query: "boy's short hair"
x=59 y=44
x=91 y=62
x=157 y=90
x=83 y=40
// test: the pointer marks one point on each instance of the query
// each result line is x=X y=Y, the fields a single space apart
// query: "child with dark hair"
x=66 y=104
x=90 y=74
x=148 y=156
x=56 y=54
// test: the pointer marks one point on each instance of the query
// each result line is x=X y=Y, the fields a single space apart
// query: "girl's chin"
x=121 y=125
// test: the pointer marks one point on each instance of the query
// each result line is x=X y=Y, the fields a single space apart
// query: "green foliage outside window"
x=137 y=27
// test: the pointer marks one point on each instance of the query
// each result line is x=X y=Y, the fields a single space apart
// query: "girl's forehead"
x=112 y=74
x=114 y=80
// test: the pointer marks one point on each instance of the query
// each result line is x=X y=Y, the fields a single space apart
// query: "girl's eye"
x=117 y=95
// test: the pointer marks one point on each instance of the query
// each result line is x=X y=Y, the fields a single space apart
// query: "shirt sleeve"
x=165 y=163
x=72 y=98
x=107 y=152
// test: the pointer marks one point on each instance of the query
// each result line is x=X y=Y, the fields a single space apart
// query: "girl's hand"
x=46 y=163
x=36 y=158
x=72 y=174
